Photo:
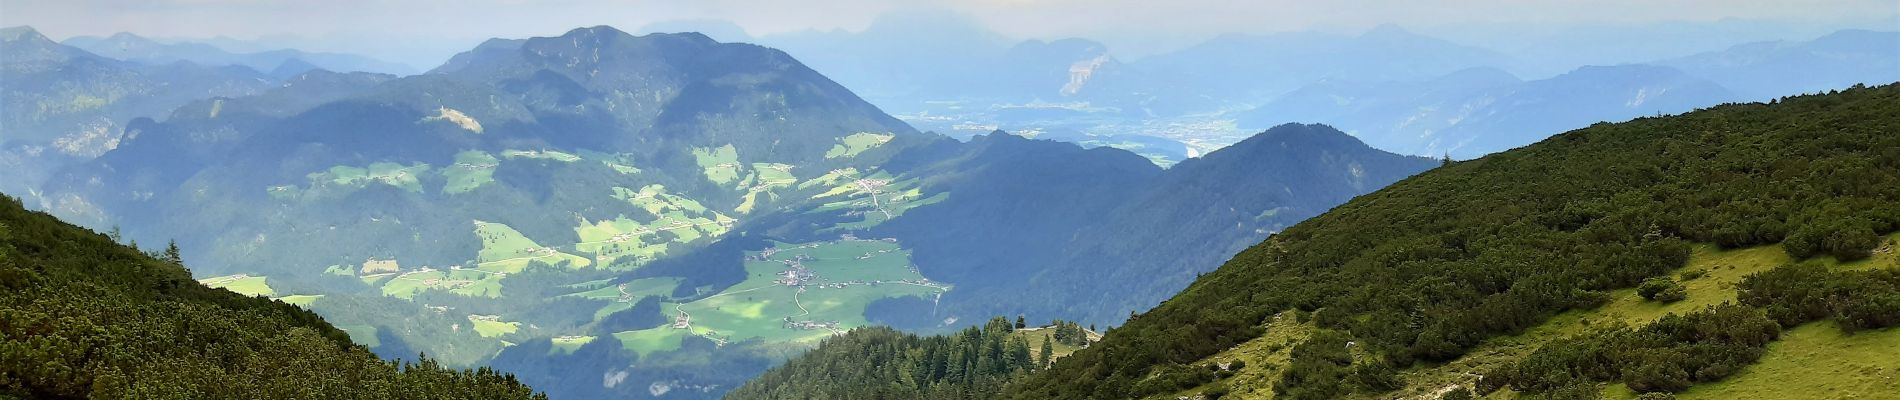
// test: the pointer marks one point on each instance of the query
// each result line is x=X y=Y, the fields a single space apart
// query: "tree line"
x=884 y=363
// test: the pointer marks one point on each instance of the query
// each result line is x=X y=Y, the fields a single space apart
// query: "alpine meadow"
x=925 y=199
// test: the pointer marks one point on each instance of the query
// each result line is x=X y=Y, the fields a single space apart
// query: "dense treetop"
x=883 y=363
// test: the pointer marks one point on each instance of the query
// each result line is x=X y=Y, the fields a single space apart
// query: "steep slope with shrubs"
x=84 y=317
x=1429 y=268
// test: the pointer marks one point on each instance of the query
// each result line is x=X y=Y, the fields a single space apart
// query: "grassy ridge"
x=1430 y=268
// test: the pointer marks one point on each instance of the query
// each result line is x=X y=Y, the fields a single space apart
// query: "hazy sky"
x=1129 y=25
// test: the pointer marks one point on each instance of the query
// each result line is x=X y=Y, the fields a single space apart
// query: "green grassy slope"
x=83 y=317
x=1431 y=269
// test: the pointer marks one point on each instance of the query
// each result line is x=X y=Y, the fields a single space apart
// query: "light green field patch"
x=632 y=290
x=765 y=180
x=656 y=200
x=244 y=284
x=621 y=168
x=386 y=173
x=377 y=279
x=362 y=334
x=649 y=341
x=896 y=207
x=621 y=297
x=1035 y=337
x=540 y=155
x=850 y=146
x=568 y=344
x=1262 y=355
x=612 y=240
x=339 y=270
x=1815 y=360
x=301 y=300
x=830 y=179
x=720 y=164
x=751 y=201
x=488 y=286
x=875 y=199
x=506 y=250
x=622 y=163
x=775 y=174
x=833 y=284
x=610 y=309
x=471 y=170
x=1721 y=270
x=623 y=242
x=466 y=282
x=492 y=326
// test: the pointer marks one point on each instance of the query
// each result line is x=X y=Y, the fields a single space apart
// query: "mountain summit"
x=677 y=86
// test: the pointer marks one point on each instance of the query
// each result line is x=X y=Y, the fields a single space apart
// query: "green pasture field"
x=849 y=276
x=720 y=164
x=471 y=170
x=508 y=251
x=540 y=154
x=567 y=345
x=466 y=282
x=850 y=146
x=248 y=285
x=496 y=328
x=649 y=341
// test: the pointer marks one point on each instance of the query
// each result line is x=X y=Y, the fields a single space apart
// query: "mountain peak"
x=1387 y=30
x=22 y=32
x=597 y=31
x=1290 y=138
x=718 y=29
x=127 y=36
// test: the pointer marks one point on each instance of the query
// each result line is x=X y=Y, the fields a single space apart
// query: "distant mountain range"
x=1479 y=111
x=64 y=105
x=558 y=204
x=1193 y=100
x=1249 y=68
x=1779 y=68
x=1475 y=112
x=282 y=64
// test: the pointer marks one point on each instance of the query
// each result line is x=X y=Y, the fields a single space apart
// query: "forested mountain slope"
x=282 y=63
x=84 y=317
x=1102 y=220
x=1423 y=271
x=610 y=215
x=61 y=105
